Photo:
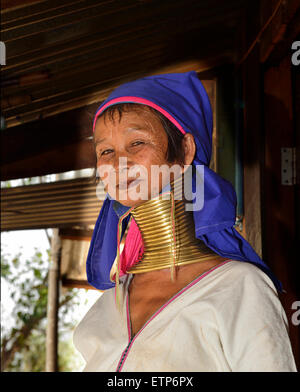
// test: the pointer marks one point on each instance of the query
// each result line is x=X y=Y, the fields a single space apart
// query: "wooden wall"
x=279 y=200
x=270 y=221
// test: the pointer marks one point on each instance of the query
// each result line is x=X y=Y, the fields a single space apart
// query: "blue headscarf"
x=182 y=98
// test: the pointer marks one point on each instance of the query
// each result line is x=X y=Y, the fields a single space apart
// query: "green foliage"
x=23 y=344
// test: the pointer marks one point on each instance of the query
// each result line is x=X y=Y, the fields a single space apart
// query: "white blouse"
x=228 y=319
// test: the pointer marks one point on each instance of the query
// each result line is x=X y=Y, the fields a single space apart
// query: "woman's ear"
x=189 y=147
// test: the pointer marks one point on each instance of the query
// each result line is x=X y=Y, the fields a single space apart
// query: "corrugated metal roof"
x=60 y=204
x=67 y=54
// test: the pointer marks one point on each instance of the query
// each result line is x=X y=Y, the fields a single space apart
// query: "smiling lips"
x=127 y=184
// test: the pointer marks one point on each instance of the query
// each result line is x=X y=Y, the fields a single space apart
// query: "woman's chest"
x=163 y=329
x=161 y=333
x=141 y=312
x=143 y=304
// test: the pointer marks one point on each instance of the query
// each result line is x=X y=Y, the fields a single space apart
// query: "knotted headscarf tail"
x=181 y=98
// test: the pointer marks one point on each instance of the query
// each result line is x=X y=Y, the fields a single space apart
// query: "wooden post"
x=52 y=307
x=253 y=150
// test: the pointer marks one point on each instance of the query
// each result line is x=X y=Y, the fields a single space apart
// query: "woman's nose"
x=122 y=161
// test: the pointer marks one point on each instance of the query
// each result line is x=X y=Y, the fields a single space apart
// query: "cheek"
x=152 y=154
x=158 y=170
x=150 y=160
x=108 y=175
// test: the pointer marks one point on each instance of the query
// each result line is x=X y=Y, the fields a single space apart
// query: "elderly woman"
x=183 y=291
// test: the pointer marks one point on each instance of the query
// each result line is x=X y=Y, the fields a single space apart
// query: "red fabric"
x=133 y=249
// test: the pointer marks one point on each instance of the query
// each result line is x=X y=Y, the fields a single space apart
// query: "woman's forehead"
x=136 y=119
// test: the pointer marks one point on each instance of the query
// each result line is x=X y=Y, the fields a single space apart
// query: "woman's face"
x=130 y=153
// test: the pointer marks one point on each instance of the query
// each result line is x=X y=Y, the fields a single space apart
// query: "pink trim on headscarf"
x=141 y=101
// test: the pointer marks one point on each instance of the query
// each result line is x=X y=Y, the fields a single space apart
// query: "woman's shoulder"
x=239 y=279
x=240 y=292
x=245 y=271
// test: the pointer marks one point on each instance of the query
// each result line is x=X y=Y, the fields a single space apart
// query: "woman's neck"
x=168 y=235
x=184 y=274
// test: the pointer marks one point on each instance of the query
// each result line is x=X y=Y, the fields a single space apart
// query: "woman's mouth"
x=124 y=185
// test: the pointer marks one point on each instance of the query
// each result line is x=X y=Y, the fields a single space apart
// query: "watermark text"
x=296 y=55
x=137 y=182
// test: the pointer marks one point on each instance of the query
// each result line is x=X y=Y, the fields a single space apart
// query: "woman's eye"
x=137 y=143
x=106 y=152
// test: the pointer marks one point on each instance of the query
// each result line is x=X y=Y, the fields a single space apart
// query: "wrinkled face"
x=131 y=156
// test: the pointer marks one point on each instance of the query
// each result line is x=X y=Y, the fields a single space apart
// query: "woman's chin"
x=126 y=200
x=131 y=198
x=130 y=203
